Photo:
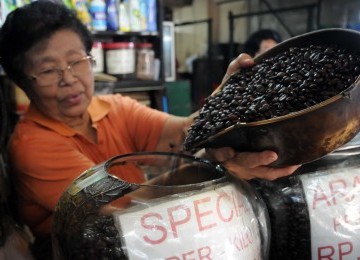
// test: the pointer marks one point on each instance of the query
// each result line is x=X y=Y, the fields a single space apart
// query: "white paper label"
x=216 y=224
x=333 y=199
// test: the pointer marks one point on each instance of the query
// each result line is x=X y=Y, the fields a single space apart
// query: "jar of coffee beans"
x=315 y=214
x=184 y=206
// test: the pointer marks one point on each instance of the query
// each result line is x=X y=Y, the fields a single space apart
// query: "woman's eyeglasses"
x=54 y=75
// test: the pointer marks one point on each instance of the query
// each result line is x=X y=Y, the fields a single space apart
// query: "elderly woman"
x=45 y=50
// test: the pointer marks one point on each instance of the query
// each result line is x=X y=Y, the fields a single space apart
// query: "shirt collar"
x=97 y=109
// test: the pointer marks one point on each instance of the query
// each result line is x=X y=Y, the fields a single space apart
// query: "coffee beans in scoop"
x=291 y=81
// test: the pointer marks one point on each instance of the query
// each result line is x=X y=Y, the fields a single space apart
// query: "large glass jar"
x=184 y=208
x=315 y=213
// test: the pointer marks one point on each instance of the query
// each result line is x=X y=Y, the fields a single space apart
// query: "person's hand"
x=242 y=61
x=249 y=165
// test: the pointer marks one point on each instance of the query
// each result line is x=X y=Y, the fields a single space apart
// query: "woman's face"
x=68 y=97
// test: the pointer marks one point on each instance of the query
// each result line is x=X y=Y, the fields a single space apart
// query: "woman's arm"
x=174 y=133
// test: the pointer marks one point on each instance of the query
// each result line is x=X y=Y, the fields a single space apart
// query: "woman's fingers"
x=261 y=172
x=249 y=165
x=242 y=61
x=252 y=160
x=220 y=154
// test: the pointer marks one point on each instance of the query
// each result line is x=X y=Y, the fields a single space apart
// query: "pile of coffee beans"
x=285 y=83
x=289 y=217
x=98 y=239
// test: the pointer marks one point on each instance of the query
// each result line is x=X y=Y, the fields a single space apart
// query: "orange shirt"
x=47 y=155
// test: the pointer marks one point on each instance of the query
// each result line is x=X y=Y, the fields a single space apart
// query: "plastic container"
x=135 y=15
x=315 y=213
x=185 y=207
x=98 y=15
x=151 y=16
x=145 y=61
x=82 y=12
x=98 y=53
x=112 y=15
x=120 y=59
x=124 y=19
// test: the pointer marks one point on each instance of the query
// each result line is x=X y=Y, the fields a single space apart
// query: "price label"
x=213 y=224
x=333 y=199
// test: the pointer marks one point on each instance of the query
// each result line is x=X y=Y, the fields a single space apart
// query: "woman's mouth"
x=73 y=99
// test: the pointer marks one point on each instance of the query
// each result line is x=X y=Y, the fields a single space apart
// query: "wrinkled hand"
x=242 y=61
x=249 y=165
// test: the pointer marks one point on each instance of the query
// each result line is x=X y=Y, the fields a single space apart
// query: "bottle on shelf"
x=134 y=15
x=112 y=15
x=97 y=10
x=145 y=61
x=81 y=10
x=151 y=16
x=124 y=20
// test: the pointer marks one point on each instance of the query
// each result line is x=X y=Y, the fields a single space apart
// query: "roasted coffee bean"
x=289 y=218
x=288 y=82
x=99 y=239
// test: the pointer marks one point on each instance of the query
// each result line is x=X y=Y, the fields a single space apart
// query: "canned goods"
x=120 y=59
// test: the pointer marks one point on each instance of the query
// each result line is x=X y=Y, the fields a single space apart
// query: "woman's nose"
x=67 y=76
